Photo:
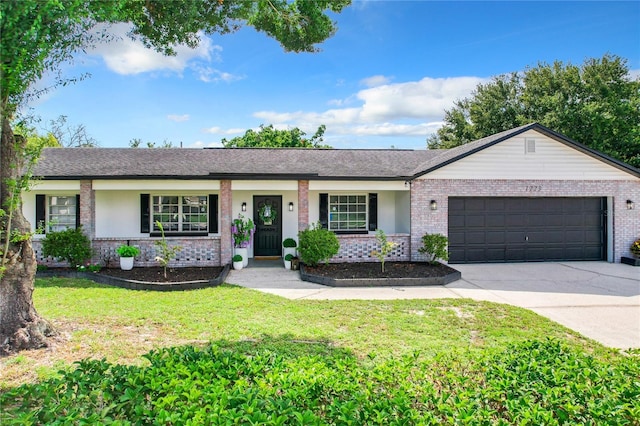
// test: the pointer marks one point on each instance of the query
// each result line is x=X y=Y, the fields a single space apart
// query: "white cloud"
x=126 y=56
x=201 y=144
x=376 y=80
x=634 y=74
x=178 y=118
x=216 y=130
x=400 y=109
x=209 y=74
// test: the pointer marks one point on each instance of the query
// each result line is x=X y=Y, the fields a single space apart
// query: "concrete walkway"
x=599 y=300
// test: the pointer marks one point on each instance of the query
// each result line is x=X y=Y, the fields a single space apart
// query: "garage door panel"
x=526 y=229
x=495 y=220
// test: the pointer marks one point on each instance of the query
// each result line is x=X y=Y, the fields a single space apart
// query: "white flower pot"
x=287 y=264
x=244 y=252
x=238 y=265
x=126 y=263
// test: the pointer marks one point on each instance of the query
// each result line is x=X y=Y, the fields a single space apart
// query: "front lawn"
x=238 y=355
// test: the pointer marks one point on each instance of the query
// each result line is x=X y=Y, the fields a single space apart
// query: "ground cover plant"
x=230 y=355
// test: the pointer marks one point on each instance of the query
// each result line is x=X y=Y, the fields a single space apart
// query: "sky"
x=385 y=79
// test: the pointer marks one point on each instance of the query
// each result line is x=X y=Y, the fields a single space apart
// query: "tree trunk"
x=20 y=325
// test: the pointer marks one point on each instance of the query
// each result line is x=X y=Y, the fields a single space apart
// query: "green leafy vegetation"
x=435 y=247
x=596 y=104
x=166 y=253
x=532 y=382
x=385 y=247
x=270 y=137
x=71 y=245
x=127 y=251
x=317 y=245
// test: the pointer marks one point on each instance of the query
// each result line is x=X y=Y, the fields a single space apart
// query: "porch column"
x=88 y=208
x=303 y=205
x=226 y=247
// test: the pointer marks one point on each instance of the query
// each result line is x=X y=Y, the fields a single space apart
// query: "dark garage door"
x=497 y=229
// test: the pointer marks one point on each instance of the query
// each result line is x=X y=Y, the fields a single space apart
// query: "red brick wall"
x=358 y=248
x=303 y=204
x=226 y=245
x=196 y=251
x=626 y=223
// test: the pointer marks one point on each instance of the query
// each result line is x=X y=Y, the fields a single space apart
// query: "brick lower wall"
x=626 y=223
x=196 y=251
x=359 y=248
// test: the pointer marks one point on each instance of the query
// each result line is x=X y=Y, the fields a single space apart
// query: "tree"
x=597 y=104
x=39 y=35
x=69 y=136
x=268 y=137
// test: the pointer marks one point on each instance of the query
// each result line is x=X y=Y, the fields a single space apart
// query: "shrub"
x=288 y=257
x=289 y=242
x=317 y=244
x=532 y=382
x=127 y=251
x=435 y=247
x=385 y=247
x=236 y=258
x=71 y=245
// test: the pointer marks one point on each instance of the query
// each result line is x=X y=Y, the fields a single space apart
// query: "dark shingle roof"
x=273 y=163
x=114 y=163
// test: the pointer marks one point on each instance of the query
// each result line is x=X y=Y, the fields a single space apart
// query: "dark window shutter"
x=144 y=213
x=77 y=211
x=324 y=210
x=213 y=213
x=373 y=211
x=41 y=212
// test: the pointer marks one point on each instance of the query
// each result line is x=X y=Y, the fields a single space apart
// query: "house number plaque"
x=533 y=188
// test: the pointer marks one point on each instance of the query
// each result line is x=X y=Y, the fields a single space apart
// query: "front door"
x=267 y=215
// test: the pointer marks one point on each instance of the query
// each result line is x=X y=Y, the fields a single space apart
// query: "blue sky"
x=385 y=79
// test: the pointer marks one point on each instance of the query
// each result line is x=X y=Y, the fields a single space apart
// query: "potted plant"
x=289 y=247
x=127 y=253
x=237 y=262
x=635 y=253
x=287 y=261
x=242 y=230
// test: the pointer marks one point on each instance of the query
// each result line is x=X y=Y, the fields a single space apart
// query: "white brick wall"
x=626 y=223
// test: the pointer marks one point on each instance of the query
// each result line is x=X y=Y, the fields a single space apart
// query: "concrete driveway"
x=597 y=299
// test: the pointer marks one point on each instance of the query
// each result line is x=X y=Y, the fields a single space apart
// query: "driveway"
x=597 y=299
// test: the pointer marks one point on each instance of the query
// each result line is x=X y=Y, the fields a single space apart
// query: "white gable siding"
x=508 y=160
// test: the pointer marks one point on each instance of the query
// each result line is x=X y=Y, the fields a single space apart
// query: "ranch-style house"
x=526 y=194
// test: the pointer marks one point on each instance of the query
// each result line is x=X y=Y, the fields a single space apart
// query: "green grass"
x=380 y=350
x=121 y=325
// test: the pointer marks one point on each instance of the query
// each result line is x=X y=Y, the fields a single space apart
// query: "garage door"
x=507 y=229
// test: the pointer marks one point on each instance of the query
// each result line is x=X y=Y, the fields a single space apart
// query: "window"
x=61 y=213
x=180 y=213
x=348 y=212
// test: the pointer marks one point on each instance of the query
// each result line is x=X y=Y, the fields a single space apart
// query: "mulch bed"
x=374 y=270
x=155 y=274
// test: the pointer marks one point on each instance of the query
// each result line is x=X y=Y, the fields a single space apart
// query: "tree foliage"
x=39 y=35
x=597 y=104
x=269 y=137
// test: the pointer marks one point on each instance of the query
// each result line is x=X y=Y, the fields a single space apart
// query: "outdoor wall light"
x=433 y=205
x=290 y=206
x=629 y=205
x=244 y=207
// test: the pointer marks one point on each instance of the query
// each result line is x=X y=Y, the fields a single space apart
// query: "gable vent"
x=529 y=146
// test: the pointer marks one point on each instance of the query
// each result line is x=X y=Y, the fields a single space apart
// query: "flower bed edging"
x=379 y=282
x=138 y=285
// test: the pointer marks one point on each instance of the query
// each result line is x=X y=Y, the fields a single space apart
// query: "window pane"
x=348 y=212
x=62 y=213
